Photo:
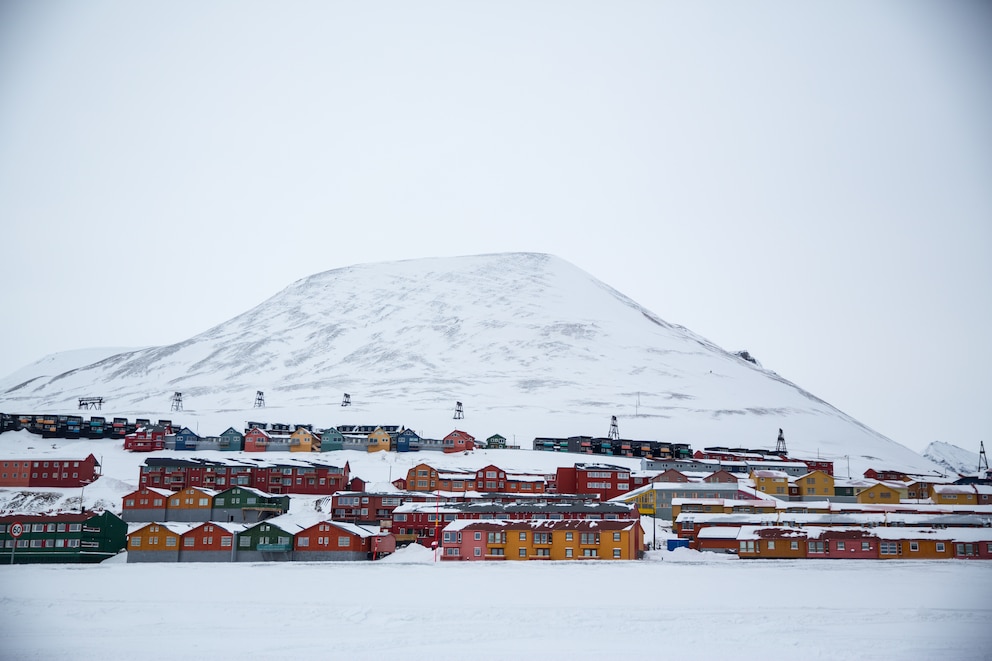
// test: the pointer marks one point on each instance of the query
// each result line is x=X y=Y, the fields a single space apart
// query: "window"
x=771 y=545
x=226 y=541
x=914 y=546
x=840 y=546
x=815 y=547
x=344 y=542
x=940 y=547
x=188 y=542
x=568 y=537
x=616 y=537
x=244 y=542
x=477 y=552
x=523 y=536
x=135 y=542
x=616 y=553
x=590 y=553
x=478 y=536
x=889 y=548
x=568 y=553
x=794 y=545
x=452 y=551
x=302 y=541
x=865 y=546
x=522 y=552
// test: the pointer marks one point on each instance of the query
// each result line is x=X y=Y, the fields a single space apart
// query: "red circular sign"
x=16 y=530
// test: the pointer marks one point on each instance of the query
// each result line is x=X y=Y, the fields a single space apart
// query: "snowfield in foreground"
x=691 y=605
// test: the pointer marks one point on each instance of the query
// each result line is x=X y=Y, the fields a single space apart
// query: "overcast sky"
x=809 y=181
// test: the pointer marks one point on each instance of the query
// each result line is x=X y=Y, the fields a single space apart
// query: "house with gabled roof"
x=247 y=505
x=145 y=504
x=379 y=441
x=496 y=442
x=272 y=539
x=335 y=540
x=210 y=541
x=407 y=441
x=156 y=542
x=191 y=504
x=304 y=440
x=331 y=439
x=458 y=441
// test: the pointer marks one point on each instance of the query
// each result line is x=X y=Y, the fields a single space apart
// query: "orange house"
x=774 y=542
x=379 y=441
x=772 y=482
x=954 y=494
x=191 y=504
x=156 y=542
x=335 y=540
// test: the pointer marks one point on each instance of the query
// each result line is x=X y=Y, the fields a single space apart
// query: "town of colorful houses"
x=753 y=503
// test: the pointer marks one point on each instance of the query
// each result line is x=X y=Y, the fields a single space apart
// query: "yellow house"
x=379 y=441
x=775 y=483
x=191 y=504
x=815 y=483
x=954 y=494
x=303 y=440
x=879 y=494
x=470 y=539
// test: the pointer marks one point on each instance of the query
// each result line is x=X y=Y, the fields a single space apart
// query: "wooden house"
x=231 y=440
x=458 y=441
x=257 y=440
x=304 y=440
x=210 y=541
x=772 y=482
x=146 y=504
x=335 y=540
x=956 y=494
x=247 y=505
x=156 y=542
x=603 y=480
x=184 y=439
x=379 y=441
x=87 y=536
x=191 y=504
x=143 y=439
x=466 y=539
x=771 y=542
x=48 y=472
x=721 y=477
x=272 y=539
x=407 y=441
x=671 y=475
x=331 y=439
x=496 y=442
x=879 y=493
x=815 y=484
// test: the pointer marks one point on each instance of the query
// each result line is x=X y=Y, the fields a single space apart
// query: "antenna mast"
x=983 y=459
x=177 y=401
x=780 y=444
x=614 y=429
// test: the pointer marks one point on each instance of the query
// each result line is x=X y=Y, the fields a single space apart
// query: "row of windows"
x=44 y=476
x=47 y=527
x=45 y=543
x=453 y=552
x=537 y=537
x=44 y=464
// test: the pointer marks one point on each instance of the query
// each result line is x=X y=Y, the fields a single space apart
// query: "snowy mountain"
x=530 y=344
x=951 y=457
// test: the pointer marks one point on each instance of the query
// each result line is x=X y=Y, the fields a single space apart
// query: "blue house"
x=187 y=439
x=407 y=441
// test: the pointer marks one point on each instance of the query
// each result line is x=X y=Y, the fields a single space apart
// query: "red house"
x=67 y=473
x=604 y=480
x=146 y=439
x=335 y=540
x=458 y=441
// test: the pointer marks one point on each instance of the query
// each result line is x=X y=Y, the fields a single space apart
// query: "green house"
x=232 y=440
x=271 y=539
x=496 y=441
x=61 y=537
x=331 y=439
x=247 y=505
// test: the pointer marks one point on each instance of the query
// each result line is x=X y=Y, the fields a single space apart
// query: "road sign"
x=16 y=530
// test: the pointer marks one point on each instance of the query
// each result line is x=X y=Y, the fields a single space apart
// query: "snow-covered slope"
x=955 y=459
x=530 y=344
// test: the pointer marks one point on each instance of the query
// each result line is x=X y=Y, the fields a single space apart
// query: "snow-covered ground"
x=675 y=605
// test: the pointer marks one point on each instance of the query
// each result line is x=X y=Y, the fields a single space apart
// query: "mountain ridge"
x=528 y=341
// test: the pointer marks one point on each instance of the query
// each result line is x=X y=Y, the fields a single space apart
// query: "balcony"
x=274 y=548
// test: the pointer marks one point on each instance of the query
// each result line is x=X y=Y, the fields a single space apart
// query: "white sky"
x=810 y=181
